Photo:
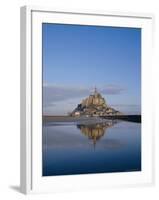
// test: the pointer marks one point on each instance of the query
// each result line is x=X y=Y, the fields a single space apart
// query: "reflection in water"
x=67 y=147
x=96 y=131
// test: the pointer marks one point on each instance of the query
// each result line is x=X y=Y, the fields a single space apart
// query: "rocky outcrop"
x=94 y=105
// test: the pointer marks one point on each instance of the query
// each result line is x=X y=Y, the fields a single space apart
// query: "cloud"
x=55 y=93
x=112 y=89
x=63 y=99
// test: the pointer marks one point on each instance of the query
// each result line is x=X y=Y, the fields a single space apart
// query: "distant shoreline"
x=66 y=118
x=131 y=118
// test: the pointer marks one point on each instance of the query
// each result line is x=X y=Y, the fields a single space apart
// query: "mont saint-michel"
x=94 y=105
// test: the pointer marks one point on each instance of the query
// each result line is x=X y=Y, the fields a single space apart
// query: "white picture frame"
x=31 y=100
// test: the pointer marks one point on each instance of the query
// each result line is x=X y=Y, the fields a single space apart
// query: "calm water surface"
x=71 y=148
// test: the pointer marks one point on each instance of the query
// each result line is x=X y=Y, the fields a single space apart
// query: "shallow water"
x=71 y=148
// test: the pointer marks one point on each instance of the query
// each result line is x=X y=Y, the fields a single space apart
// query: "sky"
x=78 y=58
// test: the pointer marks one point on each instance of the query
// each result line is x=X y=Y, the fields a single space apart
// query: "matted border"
x=31 y=100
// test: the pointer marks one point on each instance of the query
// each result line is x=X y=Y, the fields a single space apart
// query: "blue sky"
x=77 y=58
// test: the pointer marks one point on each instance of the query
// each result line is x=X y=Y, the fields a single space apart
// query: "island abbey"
x=94 y=105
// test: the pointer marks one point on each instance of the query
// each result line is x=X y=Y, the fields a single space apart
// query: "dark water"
x=111 y=146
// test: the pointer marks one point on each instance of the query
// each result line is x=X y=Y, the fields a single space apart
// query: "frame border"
x=26 y=185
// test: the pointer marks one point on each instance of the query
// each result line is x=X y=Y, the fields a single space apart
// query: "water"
x=72 y=148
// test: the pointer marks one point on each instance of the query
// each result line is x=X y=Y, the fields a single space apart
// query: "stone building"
x=94 y=105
